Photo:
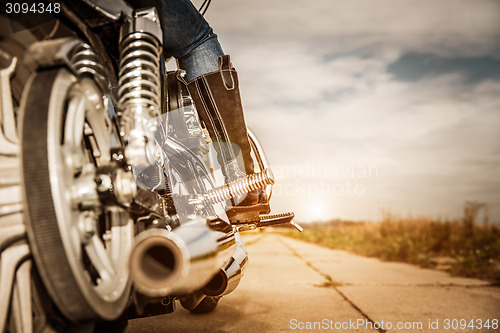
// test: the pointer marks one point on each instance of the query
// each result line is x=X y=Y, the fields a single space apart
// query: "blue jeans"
x=188 y=37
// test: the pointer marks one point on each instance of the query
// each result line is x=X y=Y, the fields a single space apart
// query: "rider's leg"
x=189 y=38
x=213 y=84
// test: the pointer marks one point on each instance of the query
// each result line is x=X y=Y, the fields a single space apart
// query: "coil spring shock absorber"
x=239 y=186
x=139 y=85
x=139 y=74
x=85 y=60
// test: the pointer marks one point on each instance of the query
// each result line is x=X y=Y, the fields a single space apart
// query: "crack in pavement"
x=331 y=284
x=422 y=285
x=251 y=241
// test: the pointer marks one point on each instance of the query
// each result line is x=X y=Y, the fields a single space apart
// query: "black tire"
x=208 y=304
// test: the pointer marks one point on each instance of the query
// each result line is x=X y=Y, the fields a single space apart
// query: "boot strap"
x=226 y=72
x=225 y=69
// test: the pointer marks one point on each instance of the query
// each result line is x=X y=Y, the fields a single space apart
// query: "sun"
x=317 y=210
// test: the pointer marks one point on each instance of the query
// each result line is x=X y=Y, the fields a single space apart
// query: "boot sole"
x=247 y=214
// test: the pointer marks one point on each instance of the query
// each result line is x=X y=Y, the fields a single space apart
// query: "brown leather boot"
x=217 y=99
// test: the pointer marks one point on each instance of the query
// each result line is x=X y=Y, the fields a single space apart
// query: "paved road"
x=291 y=285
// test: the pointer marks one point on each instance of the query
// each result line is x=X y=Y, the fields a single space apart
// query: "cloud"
x=402 y=85
x=446 y=27
x=415 y=66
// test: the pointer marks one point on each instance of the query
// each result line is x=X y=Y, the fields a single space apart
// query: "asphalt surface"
x=292 y=286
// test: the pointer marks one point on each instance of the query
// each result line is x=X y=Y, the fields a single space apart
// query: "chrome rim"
x=99 y=263
x=81 y=247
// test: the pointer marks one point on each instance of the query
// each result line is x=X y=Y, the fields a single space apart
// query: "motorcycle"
x=112 y=205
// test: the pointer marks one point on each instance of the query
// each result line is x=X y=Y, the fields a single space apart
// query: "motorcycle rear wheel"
x=66 y=132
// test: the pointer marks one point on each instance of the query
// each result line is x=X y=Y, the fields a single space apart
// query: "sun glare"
x=317 y=211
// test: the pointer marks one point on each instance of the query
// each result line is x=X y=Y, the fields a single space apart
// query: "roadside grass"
x=460 y=247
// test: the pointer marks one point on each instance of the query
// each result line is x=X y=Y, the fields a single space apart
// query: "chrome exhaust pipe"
x=178 y=262
x=228 y=278
x=191 y=301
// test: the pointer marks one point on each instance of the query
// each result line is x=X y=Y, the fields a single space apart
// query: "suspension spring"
x=85 y=60
x=139 y=77
x=239 y=187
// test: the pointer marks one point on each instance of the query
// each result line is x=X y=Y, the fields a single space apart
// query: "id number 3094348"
x=16 y=8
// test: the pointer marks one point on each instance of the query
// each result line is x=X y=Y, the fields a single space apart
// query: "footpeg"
x=278 y=219
x=272 y=220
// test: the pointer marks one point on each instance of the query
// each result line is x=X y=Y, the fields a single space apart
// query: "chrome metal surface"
x=239 y=187
x=85 y=61
x=261 y=159
x=145 y=21
x=184 y=170
x=139 y=76
x=83 y=189
x=22 y=298
x=124 y=187
x=87 y=116
x=178 y=262
x=236 y=268
x=297 y=226
x=229 y=277
x=10 y=259
x=8 y=132
x=139 y=96
x=9 y=170
x=275 y=219
x=75 y=54
x=13 y=247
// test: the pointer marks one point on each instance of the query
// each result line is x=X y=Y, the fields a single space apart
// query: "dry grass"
x=460 y=247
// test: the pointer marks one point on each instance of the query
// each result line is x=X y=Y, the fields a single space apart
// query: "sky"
x=371 y=106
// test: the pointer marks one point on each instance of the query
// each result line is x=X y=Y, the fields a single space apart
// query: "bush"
x=472 y=250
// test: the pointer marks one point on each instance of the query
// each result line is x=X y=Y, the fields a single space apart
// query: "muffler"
x=181 y=261
x=230 y=275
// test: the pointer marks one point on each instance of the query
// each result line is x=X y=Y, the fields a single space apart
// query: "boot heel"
x=247 y=214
